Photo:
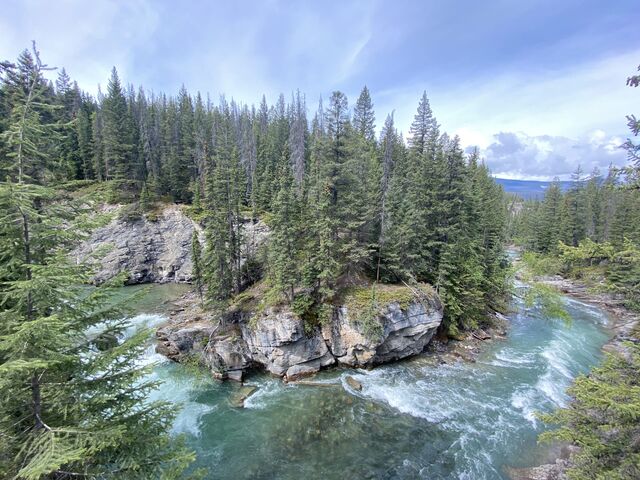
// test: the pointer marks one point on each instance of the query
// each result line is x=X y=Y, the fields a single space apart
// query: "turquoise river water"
x=412 y=420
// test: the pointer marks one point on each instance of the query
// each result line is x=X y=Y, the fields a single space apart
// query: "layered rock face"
x=405 y=333
x=157 y=251
x=148 y=251
x=276 y=341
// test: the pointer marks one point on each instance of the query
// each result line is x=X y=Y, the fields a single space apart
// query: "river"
x=413 y=419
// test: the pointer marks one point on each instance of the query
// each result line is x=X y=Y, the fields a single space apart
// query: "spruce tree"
x=285 y=237
x=364 y=116
x=196 y=257
x=116 y=139
x=30 y=125
x=422 y=126
x=551 y=219
x=71 y=404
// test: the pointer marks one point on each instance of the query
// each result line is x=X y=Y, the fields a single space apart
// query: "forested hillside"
x=345 y=204
x=591 y=231
x=345 y=207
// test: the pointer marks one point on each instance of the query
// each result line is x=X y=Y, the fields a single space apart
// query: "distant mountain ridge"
x=529 y=189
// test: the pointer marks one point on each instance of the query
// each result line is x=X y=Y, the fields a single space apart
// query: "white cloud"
x=521 y=156
x=87 y=39
x=564 y=118
x=272 y=47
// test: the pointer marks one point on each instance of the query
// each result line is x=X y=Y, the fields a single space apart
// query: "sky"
x=538 y=86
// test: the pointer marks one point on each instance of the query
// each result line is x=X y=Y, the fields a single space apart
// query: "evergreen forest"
x=346 y=206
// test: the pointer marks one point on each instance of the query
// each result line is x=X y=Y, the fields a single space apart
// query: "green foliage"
x=343 y=206
x=548 y=301
x=539 y=265
x=623 y=274
x=603 y=419
x=119 y=134
x=73 y=400
x=196 y=258
x=364 y=309
x=587 y=253
x=312 y=313
x=285 y=245
x=145 y=201
x=57 y=391
x=222 y=257
x=365 y=305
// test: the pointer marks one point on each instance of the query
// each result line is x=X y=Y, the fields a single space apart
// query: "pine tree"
x=183 y=166
x=145 y=198
x=602 y=419
x=116 y=139
x=286 y=234
x=551 y=219
x=30 y=122
x=364 y=116
x=84 y=132
x=297 y=139
x=633 y=149
x=68 y=101
x=577 y=206
x=422 y=126
x=71 y=404
x=97 y=136
x=67 y=407
x=196 y=255
x=223 y=257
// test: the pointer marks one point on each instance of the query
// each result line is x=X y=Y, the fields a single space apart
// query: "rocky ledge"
x=275 y=339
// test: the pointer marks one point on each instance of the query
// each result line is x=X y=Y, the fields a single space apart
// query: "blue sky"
x=539 y=86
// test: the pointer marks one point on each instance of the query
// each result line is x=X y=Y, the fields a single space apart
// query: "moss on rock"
x=365 y=304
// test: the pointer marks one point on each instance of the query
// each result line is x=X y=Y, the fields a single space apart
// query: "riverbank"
x=626 y=325
x=464 y=409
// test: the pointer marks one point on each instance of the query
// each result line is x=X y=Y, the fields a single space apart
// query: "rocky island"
x=158 y=250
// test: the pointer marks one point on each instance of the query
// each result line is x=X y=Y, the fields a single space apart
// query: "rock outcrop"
x=148 y=251
x=404 y=333
x=156 y=250
x=275 y=340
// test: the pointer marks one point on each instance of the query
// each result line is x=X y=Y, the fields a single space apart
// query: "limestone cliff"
x=152 y=249
x=275 y=339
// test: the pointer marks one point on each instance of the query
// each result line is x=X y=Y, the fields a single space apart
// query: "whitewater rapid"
x=413 y=419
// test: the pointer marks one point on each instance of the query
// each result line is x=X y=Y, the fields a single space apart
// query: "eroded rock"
x=404 y=333
x=275 y=340
x=156 y=250
x=148 y=251
x=278 y=342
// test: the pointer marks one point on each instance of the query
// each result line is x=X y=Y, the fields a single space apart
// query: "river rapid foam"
x=413 y=419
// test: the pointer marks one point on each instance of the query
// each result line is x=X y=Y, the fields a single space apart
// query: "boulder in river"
x=353 y=383
x=238 y=398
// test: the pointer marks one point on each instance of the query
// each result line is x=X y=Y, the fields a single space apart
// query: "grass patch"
x=365 y=304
